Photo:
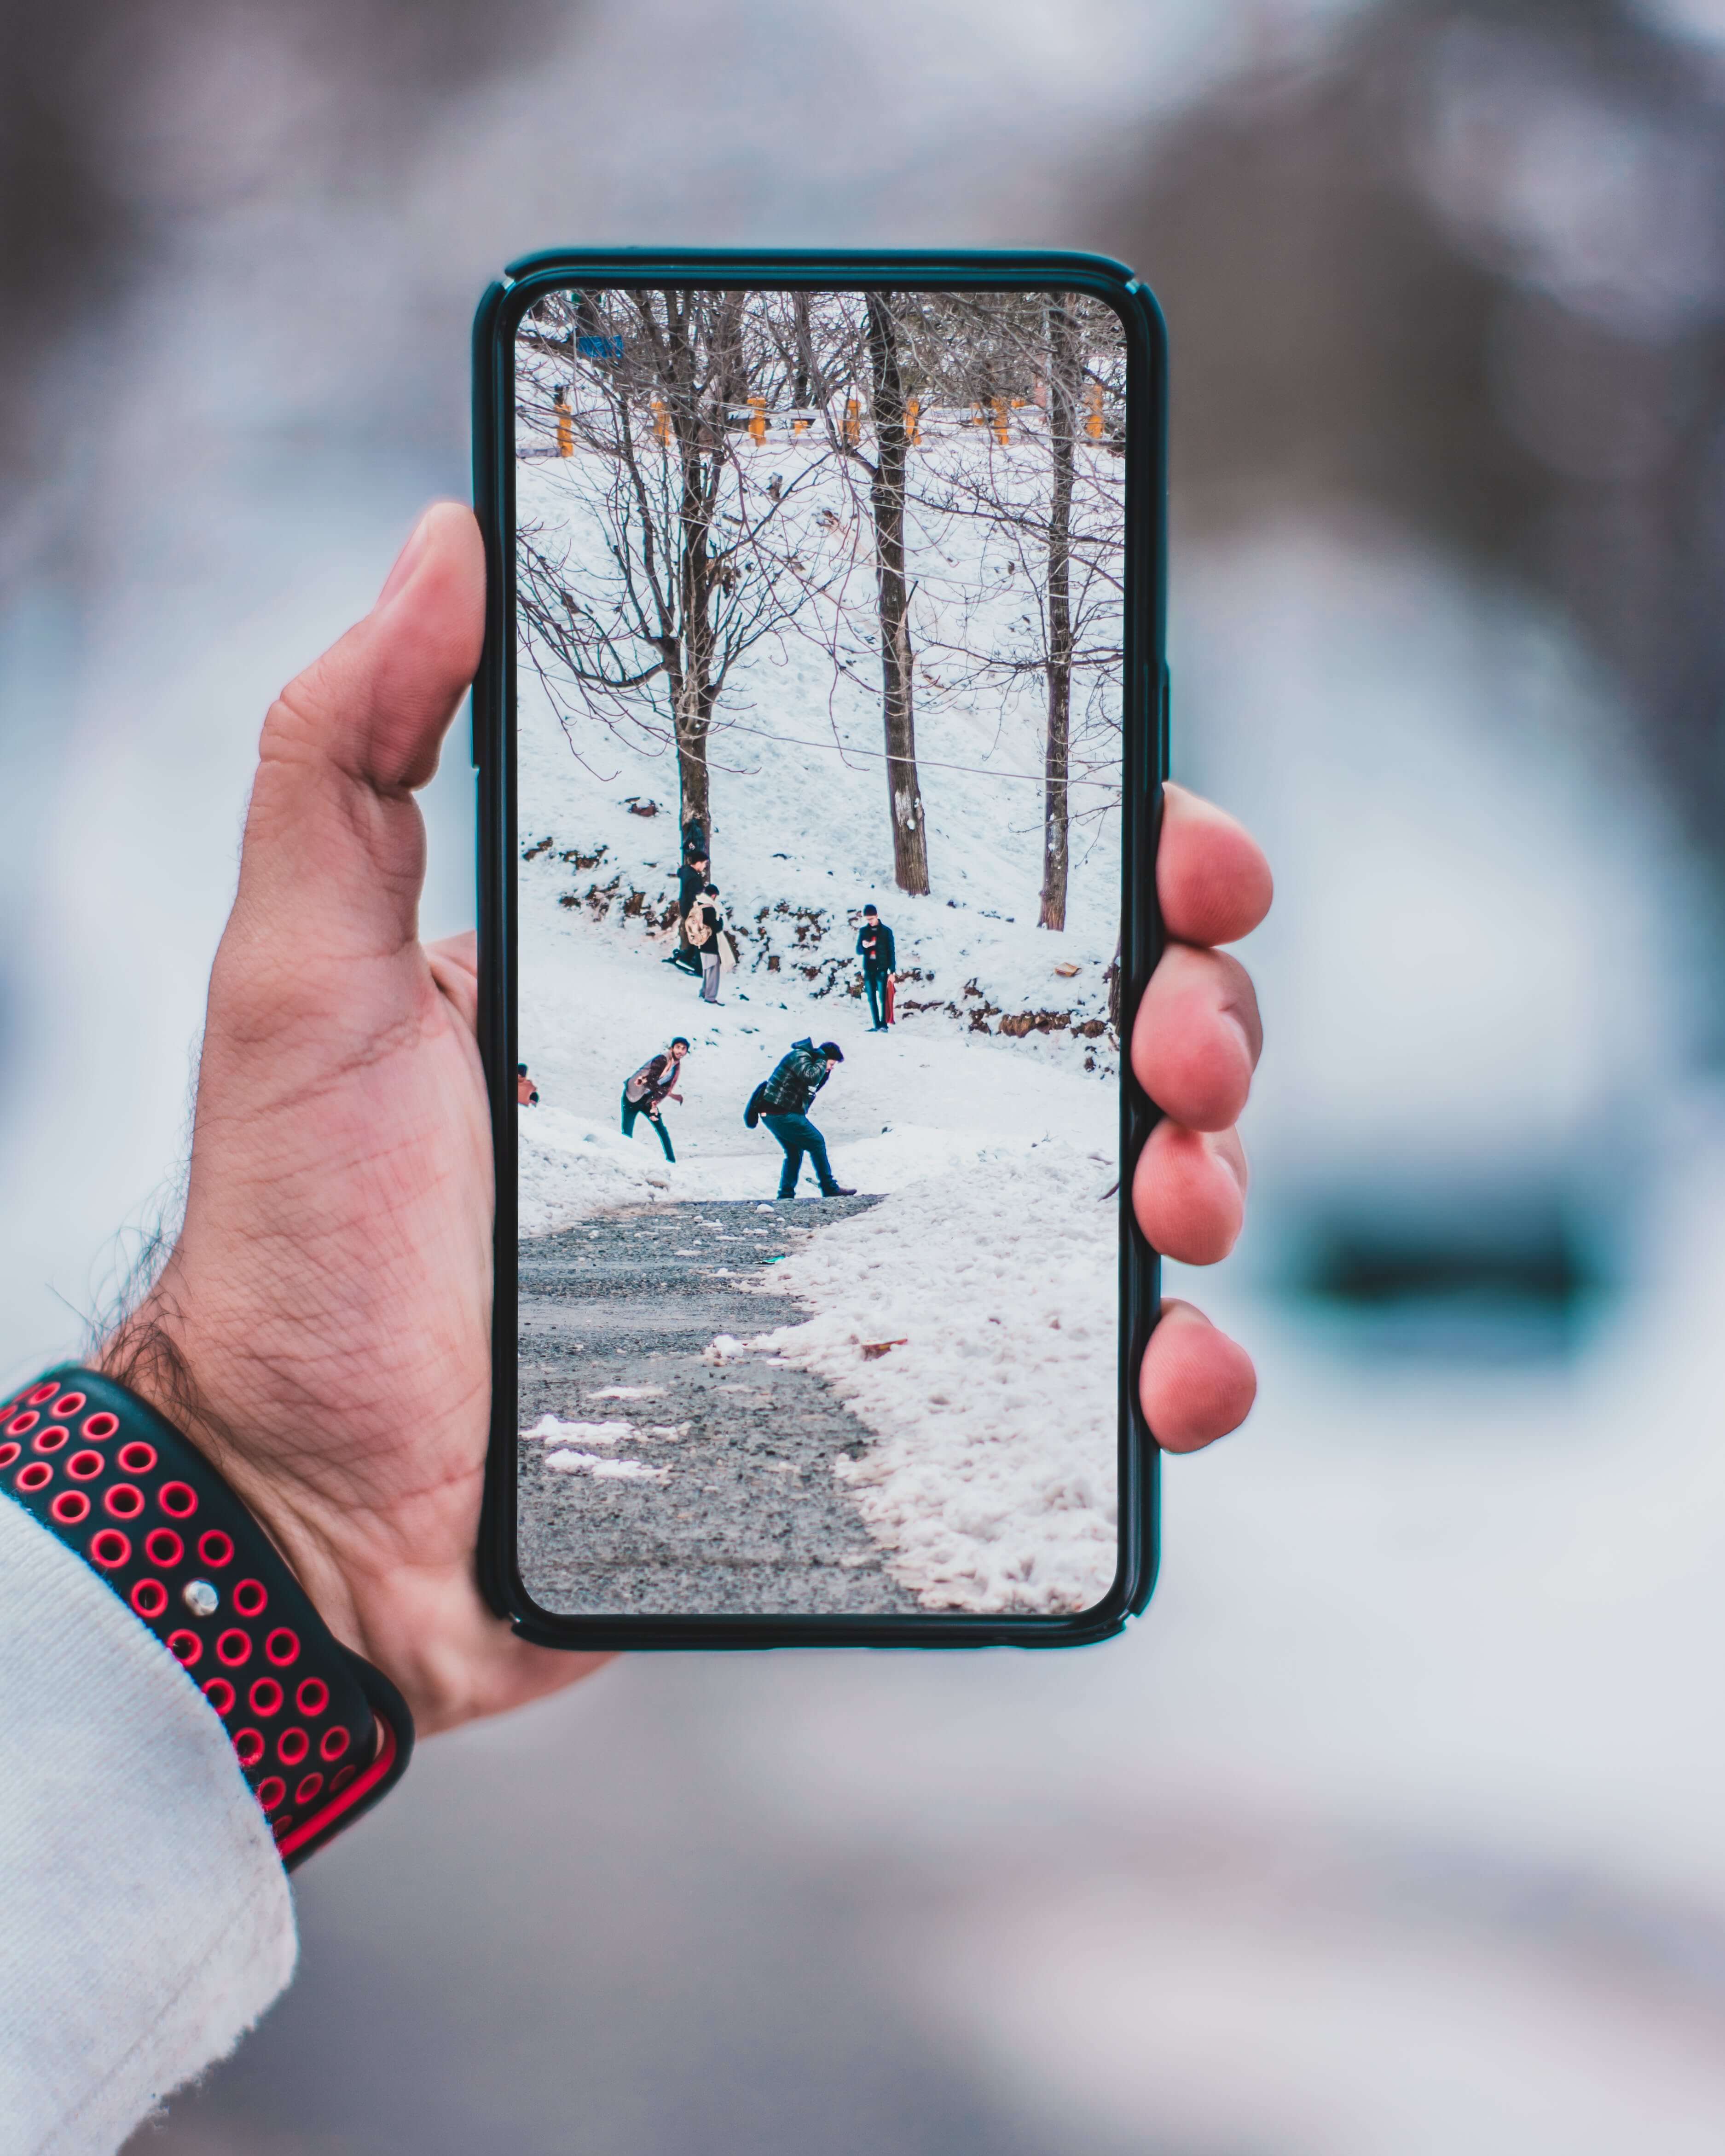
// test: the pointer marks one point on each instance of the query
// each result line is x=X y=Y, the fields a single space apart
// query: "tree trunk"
x=1063 y=371
x=910 y=843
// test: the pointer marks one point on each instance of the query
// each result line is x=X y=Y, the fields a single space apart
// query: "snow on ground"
x=993 y=1483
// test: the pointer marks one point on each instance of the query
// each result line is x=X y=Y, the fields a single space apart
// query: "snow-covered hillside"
x=986 y=1118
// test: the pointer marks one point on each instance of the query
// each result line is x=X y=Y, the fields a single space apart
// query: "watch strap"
x=319 y=1734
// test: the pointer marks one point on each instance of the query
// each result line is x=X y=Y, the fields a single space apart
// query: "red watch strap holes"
x=265 y=1697
x=250 y=1599
x=9 y=1452
x=188 y=1648
x=84 y=1466
x=308 y=1789
x=234 y=1649
x=49 y=1439
x=178 y=1500
x=136 y=1459
x=149 y=1598
x=163 y=1547
x=216 y=1691
x=215 y=1548
x=101 y=1426
x=292 y=1745
x=68 y=1405
x=272 y=1792
x=42 y=1393
x=312 y=1698
x=248 y=1747
x=282 y=1647
x=335 y=1743
x=123 y=1501
x=109 y=1548
x=34 y=1474
x=21 y=1423
x=70 y=1509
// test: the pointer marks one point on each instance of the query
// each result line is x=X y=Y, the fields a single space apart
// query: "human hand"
x=1195 y=1045
x=322 y=1326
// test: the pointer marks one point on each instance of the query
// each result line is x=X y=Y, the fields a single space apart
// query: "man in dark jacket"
x=691 y=881
x=785 y=1102
x=875 y=947
x=644 y=1089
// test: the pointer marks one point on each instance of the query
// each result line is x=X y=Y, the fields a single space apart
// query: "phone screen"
x=819 y=611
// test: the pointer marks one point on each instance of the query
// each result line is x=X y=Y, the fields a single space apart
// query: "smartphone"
x=821 y=731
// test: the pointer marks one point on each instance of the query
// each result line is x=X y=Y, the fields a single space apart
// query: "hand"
x=322 y=1327
x=1195 y=1045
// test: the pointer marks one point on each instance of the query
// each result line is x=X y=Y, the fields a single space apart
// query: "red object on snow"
x=892 y=995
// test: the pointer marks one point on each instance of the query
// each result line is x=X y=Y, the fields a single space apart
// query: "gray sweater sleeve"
x=148 y=1921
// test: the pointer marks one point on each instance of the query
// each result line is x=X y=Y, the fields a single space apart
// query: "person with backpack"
x=782 y=1102
x=879 y=953
x=691 y=881
x=656 y=1081
x=706 y=924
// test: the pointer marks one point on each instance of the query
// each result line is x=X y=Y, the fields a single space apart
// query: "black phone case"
x=1145 y=750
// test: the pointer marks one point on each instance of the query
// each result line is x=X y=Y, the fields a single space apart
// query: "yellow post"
x=1003 y=419
x=799 y=425
x=1093 y=410
x=913 y=411
x=661 y=421
x=757 y=418
x=566 y=423
x=853 y=422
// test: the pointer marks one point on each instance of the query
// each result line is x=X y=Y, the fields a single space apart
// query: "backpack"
x=697 y=931
x=752 y=1114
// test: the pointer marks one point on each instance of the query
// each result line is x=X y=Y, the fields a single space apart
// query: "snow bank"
x=994 y=1483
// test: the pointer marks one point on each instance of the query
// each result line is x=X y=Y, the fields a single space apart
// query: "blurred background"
x=1397 y=1828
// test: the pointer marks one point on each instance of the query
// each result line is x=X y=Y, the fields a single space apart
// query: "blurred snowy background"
x=1398 y=1828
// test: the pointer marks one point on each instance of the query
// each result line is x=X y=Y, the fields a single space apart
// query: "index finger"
x=1211 y=877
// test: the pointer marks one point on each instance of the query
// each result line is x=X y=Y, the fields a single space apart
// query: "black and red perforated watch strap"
x=320 y=1734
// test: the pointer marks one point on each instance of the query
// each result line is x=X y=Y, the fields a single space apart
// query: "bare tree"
x=886 y=495
x=672 y=567
x=1046 y=479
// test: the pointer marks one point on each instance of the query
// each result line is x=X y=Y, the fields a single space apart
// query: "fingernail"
x=405 y=560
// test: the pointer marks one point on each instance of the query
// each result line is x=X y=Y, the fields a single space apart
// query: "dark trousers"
x=631 y=1109
x=798 y=1136
x=875 y=988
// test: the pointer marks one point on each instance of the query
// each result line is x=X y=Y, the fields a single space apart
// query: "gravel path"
x=748 y=1516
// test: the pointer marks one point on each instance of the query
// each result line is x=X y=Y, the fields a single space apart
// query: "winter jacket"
x=649 y=1086
x=795 y=1080
x=876 y=949
x=690 y=883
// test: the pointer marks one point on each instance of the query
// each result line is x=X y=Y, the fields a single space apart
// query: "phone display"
x=823 y=767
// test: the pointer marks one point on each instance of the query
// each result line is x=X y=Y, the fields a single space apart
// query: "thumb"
x=335 y=848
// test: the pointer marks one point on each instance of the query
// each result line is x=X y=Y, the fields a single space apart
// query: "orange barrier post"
x=757 y=418
x=661 y=422
x=853 y=422
x=1093 y=410
x=913 y=413
x=565 y=422
x=1003 y=419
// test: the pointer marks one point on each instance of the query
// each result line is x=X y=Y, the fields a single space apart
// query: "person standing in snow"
x=708 y=922
x=879 y=953
x=654 y=1082
x=691 y=882
x=785 y=1101
x=526 y=1093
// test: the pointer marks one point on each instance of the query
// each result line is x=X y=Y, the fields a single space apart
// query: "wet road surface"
x=720 y=1498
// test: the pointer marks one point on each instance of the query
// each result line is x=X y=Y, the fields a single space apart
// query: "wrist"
x=151 y=1355
x=318 y=1732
